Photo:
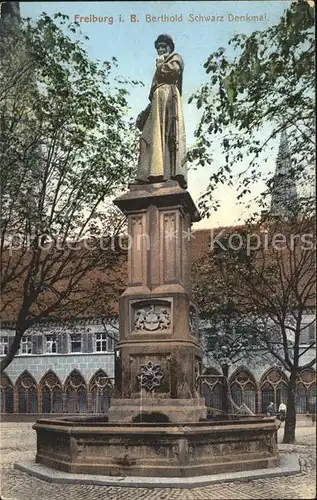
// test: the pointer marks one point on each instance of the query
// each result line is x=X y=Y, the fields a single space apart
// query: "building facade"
x=69 y=369
x=256 y=384
x=60 y=369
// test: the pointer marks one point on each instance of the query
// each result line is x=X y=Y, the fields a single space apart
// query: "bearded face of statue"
x=163 y=49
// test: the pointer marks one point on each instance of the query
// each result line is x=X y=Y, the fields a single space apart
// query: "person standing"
x=162 y=142
x=270 y=409
x=282 y=411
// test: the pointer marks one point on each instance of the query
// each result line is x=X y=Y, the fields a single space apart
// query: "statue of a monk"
x=162 y=142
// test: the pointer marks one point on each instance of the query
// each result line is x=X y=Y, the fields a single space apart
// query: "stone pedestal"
x=159 y=357
x=157 y=366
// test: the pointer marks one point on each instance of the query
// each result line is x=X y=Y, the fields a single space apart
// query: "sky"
x=127 y=31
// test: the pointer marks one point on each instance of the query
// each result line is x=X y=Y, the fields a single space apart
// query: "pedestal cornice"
x=163 y=194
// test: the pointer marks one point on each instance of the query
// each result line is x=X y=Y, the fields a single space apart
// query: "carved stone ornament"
x=274 y=376
x=152 y=319
x=51 y=381
x=197 y=375
x=192 y=320
x=150 y=376
x=307 y=376
x=242 y=378
x=27 y=381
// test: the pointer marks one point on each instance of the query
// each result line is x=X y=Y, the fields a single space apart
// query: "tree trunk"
x=290 y=421
x=225 y=399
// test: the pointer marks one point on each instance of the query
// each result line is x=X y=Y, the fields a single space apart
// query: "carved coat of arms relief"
x=152 y=318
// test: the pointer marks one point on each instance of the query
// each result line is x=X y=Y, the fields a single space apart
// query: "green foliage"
x=66 y=146
x=265 y=79
x=255 y=290
x=65 y=141
x=263 y=283
x=228 y=336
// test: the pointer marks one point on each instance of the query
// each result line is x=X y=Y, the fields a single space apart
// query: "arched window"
x=57 y=400
x=267 y=392
x=213 y=394
x=273 y=388
x=306 y=391
x=101 y=391
x=249 y=396
x=32 y=400
x=213 y=388
x=300 y=400
x=23 y=406
x=243 y=388
x=312 y=399
x=27 y=393
x=236 y=393
x=9 y=405
x=281 y=394
x=46 y=400
x=51 y=390
x=76 y=393
x=6 y=394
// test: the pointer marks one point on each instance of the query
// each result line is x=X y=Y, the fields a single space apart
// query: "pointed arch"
x=312 y=399
x=101 y=389
x=50 y=378
x=6 y=394
x=213 y=394
x=75 y=379
x=243 y=387
x=243 y=376
x=301 y=398
x=273 y=386
x=100 y=376
x=210 y=370
x=75 y=389
x=212 y=387
x=306 y=391
x=307 y=377
x=50 y=387
x=26 y=379
x=26 y=388
x=5 y=380
x=274 y=375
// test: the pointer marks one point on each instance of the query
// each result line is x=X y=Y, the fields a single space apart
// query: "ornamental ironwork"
x=150 y=376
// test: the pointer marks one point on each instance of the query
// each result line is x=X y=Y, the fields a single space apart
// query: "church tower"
x=284 y=195
x=10 y=12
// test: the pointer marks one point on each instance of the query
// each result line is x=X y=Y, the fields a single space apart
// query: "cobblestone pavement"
x=17 y=443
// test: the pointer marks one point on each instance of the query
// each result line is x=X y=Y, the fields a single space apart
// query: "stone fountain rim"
x=84 y=422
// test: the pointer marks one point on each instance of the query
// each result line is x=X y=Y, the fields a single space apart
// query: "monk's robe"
x=162 y=143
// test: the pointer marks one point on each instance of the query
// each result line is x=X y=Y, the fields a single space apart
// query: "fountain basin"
x=91 y=446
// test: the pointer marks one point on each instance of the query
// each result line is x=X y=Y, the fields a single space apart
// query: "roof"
x=97 y=292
